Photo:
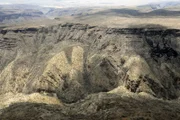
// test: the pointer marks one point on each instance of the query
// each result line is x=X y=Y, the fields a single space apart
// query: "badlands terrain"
x=97 y=63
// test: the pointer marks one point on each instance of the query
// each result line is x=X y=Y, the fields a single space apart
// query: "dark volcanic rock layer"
x=72 y=61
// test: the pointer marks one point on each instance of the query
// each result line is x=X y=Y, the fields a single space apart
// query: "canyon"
x=80 y=71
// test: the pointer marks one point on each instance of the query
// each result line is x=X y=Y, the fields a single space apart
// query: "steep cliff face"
x=71 y=61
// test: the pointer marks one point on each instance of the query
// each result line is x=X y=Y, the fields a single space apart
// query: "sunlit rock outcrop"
x=86 y=65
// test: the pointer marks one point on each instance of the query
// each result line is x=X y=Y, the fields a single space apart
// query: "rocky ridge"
x=88 y=66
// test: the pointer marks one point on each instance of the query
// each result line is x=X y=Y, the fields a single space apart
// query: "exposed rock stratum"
x=75 y=71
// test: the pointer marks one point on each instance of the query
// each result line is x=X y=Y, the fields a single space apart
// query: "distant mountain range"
x=162 y=5
x=10 y=13
x=18 y=13
x=13 y=13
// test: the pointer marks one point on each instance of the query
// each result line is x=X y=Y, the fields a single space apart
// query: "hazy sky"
x=83 y=2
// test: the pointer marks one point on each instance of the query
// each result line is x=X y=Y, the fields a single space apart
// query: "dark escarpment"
x=73 y=61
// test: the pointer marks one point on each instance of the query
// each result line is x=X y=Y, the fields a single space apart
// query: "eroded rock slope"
x=72 y=61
